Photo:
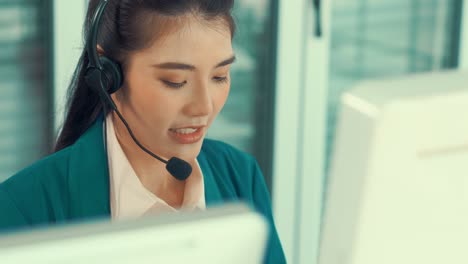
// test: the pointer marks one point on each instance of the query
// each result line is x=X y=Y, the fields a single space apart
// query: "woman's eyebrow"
x=226 y=61
x=189 y=67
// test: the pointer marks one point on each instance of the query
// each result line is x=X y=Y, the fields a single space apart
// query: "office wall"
x=68 y=44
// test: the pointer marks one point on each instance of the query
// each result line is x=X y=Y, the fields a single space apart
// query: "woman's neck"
x=151 y=172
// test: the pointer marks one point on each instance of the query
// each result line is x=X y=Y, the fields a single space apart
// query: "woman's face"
x=174 y=89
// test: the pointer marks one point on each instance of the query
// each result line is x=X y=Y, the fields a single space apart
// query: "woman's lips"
x=187 y=135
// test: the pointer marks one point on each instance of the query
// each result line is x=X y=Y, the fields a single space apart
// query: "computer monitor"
x=398 y=182
x=228 y=234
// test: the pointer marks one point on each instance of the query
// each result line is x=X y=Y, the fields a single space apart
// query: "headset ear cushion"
x=113 y=73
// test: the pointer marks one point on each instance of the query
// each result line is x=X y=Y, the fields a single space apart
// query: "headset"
x=105 y=77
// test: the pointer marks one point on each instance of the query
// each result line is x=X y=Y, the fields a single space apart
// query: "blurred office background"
x=26 y=90
x=295 y=59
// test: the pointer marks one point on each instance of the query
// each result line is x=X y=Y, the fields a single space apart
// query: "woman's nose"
x=201 y=102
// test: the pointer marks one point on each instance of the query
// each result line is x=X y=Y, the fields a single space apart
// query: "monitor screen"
x=398 y=183
x=226 y=234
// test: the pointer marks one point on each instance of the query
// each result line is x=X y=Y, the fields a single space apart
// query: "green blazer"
x=73 y=184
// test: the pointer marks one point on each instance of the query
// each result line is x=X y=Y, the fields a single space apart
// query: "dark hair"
x=127 y=26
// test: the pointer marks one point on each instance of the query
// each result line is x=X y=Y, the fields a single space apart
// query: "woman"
x=152 y=81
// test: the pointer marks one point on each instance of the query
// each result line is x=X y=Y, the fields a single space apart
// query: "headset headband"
x=91 y=44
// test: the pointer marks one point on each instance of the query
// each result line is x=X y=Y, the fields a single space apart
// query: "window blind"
x=380 y=39
x=25 y=83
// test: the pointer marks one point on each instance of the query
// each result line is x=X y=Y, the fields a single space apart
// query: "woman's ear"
x=100 y=50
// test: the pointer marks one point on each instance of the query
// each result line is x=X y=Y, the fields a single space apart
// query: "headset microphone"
x=105 y=77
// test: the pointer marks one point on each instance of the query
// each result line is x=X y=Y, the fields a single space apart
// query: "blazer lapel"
x=89 y=175
x=212 y=193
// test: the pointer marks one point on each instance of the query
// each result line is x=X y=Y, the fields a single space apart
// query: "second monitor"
x=398 y=189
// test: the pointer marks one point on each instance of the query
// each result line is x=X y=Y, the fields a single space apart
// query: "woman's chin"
x=187 y=152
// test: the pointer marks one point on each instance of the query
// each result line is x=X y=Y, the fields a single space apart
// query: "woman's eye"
x=174 y=84
x=220 y=79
